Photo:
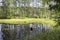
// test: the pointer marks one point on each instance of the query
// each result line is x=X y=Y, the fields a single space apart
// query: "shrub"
x=53 y=34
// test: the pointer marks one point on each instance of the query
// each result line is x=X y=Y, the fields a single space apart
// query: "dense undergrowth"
x=53 y=34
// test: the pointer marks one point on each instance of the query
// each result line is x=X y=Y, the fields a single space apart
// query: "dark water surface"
x=21 y=32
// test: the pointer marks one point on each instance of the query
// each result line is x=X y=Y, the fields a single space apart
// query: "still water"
x=21 y=32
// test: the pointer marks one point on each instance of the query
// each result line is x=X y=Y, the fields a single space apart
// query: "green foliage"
x=56 y=16
x=24 y=12
x=57 y=6
x=3 y=12
x=8 y=11
x=53 y=34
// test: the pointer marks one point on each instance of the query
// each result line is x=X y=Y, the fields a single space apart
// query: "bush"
x=53 y=34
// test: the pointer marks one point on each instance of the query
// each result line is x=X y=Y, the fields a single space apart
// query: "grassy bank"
x=28 y=21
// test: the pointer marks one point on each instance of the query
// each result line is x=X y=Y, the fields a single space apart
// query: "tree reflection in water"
x=21 y=32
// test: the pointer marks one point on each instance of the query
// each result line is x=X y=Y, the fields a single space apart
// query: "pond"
x=21 y=32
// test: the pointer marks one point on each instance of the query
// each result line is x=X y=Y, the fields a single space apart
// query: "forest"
x=30 y=19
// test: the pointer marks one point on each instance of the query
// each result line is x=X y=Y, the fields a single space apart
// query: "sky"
x=0 y=3
x=35 y=1
x=0 y=0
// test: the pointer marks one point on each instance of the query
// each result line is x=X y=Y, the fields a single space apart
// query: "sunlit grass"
x=28 y=21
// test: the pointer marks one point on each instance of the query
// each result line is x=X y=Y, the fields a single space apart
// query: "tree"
x=56 y=7
x=4 y=10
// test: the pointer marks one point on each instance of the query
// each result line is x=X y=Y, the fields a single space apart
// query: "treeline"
x=12 y=9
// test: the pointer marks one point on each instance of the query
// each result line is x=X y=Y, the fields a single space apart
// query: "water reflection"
x=21 y=32
x=1 y=35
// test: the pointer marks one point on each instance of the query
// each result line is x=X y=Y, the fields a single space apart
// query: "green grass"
x=28 y=21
